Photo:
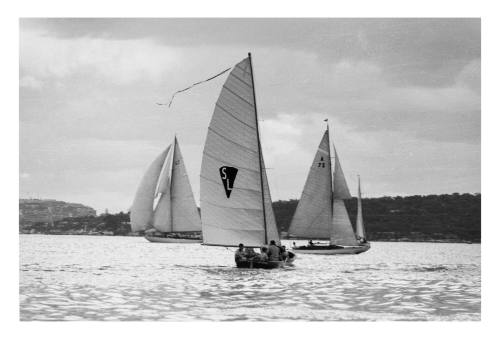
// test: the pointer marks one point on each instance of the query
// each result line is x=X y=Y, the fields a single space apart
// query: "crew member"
x=273 y=251
x=239 y=255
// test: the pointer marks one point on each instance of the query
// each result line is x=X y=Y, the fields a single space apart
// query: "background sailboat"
x=175 y=215
x=360 y=226
x=235 y=198
x=321 y=212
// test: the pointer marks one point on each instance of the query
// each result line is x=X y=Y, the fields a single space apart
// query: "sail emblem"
x=228 y=174
x=321 y=163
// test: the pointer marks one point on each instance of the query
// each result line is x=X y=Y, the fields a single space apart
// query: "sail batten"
x=234 y=193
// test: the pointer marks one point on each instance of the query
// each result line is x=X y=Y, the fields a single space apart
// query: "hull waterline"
x=172 y=240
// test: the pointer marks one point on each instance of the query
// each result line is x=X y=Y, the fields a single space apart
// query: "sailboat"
x=50 y=223
x=164 y=206
x=360 y=226
x=321 y=211
x=234 y=191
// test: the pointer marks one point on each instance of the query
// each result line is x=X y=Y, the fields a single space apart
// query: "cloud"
x=470 y=76
x=24 y=175
x=119 y=61
x=412 y=51
x=403 y=99
x=30 y=83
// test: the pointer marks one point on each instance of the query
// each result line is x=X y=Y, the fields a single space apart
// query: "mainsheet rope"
x=196 y=83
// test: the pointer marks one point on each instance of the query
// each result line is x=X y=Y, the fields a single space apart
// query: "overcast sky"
x=402 y=96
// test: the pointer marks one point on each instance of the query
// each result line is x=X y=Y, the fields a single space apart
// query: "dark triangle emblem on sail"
x=228 y=175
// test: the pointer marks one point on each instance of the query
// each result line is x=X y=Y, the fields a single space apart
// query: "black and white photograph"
x=249 y=169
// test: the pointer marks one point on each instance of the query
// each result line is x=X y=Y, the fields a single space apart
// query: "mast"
x=258 y=150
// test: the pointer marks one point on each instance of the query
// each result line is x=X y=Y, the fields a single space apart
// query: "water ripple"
x=75 y=278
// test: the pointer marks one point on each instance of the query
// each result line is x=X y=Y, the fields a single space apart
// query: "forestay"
x=231 y=190
x=141 y=213
x=313 y=215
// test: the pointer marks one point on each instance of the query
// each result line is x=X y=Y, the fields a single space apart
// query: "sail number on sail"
x=228 y=175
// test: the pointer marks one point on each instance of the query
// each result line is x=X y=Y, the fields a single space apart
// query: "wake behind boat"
x=234 y=191
x=321 y=212
x=164 y=206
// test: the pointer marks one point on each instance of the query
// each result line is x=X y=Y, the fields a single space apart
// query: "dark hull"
x=260 y=264
x=152 y=238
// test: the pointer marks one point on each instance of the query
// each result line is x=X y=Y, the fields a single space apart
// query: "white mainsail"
x=235 y=199
x=185 y=215
x=342 y=231
x=141 y=213
x=360 y=228
x=313 y=215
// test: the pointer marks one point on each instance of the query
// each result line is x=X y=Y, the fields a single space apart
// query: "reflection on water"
x=128 y=278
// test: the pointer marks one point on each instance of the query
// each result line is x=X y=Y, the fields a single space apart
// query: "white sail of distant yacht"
x=50 y=223
x=360 y=227
x=313 y=215
x=342 y=231
x=235 y=198
x=321 y=211
x=166 y=181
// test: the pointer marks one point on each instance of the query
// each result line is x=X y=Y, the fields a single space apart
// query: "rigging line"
x=187 y=88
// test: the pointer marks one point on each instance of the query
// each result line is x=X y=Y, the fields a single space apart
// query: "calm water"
x=128 y=278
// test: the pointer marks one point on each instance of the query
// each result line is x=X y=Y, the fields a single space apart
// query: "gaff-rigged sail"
x=235 y=199
x=313 y=216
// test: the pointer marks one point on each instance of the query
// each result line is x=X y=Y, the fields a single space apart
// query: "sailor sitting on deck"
x=262 y=256
x=239 y=255
x=250 y=253
x=273 y=251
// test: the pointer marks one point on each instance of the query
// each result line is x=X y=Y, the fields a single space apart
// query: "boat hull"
x=259 y=264
x=332 y=250
x=152 y=238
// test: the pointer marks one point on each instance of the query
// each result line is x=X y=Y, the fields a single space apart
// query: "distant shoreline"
x=447 y=218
